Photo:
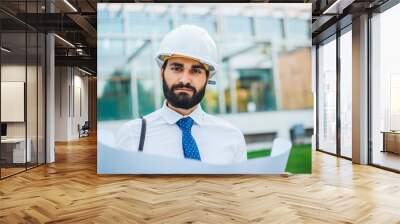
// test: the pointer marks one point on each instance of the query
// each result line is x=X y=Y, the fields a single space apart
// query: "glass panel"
x=116 y=87
x=269 y=27
x=238 y=25
x=327 y=96
x=23 y=88
x=13 y=87
x=144 y=23
x=236 y=54
x=386 y=89
x=111 y=21
x=255 y=90
x=145 y=74
x=206 y=22
x=346 y=94
x=31 y=98
x=298 y=30
x=31 y=88
x=41 y=98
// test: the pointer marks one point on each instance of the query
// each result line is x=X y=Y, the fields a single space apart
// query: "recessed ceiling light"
x=5 y=50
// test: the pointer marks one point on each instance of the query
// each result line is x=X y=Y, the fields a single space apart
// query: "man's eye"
x=178 y=69
x=196 y=70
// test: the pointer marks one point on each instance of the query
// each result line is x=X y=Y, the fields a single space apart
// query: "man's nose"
x=186 y=76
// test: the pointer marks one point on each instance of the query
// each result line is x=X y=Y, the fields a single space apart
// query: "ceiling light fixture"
x=64 y=40
x=337 y=7
x=86 y=72
x=71 y=6
x=5 y=50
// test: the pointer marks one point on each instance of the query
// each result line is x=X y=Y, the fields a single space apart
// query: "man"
x=181 y=129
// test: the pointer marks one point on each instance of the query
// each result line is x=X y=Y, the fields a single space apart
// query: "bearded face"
x=184 y=82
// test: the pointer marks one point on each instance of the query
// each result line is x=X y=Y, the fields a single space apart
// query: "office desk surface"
x=19 y=153
x=13 y=140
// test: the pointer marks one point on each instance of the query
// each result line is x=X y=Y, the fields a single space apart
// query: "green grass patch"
x=299 y=158
x=258 y=153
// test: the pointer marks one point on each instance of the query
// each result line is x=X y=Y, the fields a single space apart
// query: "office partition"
x=22 y=77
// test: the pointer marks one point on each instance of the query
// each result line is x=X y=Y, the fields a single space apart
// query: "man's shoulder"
x=135 y=124
x=221 y=123
x=155 y=115
x=131 y=126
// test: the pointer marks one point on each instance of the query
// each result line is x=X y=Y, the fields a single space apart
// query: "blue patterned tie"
x=189 y=145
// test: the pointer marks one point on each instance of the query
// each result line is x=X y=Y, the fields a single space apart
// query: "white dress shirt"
x=218 y=141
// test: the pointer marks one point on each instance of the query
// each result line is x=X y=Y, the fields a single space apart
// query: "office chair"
x=84 y=130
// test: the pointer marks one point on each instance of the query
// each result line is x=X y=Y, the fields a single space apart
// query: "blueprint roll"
x=115 y=161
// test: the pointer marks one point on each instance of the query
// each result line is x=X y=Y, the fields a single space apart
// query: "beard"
x=182 y=99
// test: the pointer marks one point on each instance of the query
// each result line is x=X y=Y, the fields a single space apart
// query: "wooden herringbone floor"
x=70 y=191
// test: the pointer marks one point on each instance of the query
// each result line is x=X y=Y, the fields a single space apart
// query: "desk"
x=391 y=141
x=15 y=148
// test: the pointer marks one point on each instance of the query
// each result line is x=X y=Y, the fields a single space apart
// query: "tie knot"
x=185 y=124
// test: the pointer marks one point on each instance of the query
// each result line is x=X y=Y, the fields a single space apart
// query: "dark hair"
x=166 y=62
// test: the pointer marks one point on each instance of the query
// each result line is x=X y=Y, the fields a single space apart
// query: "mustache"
x=181 y=85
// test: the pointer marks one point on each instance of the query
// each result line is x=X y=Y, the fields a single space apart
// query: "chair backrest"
x=86 y=125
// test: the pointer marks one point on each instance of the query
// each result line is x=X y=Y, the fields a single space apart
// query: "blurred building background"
x=264 y=83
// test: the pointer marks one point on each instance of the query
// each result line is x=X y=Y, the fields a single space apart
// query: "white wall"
x=61 y=103
x=80 y=89
x=12 y=73
x=70 y=84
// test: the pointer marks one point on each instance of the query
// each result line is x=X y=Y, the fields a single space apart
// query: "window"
x=207 y=22
x=22 y=65
x=346 y=94
x=298 y=30
x=255 y=90
x=327 y=96
x=109 y=22
x=238 y=25
x=385 y=85
x=269 y=27
x=144 y=23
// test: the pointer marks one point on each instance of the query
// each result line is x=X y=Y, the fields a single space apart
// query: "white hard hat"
x=189 y=41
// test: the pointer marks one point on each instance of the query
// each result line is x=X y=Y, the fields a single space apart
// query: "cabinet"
x=391 y=142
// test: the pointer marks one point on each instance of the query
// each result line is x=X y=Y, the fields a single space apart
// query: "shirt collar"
x=171 y=116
